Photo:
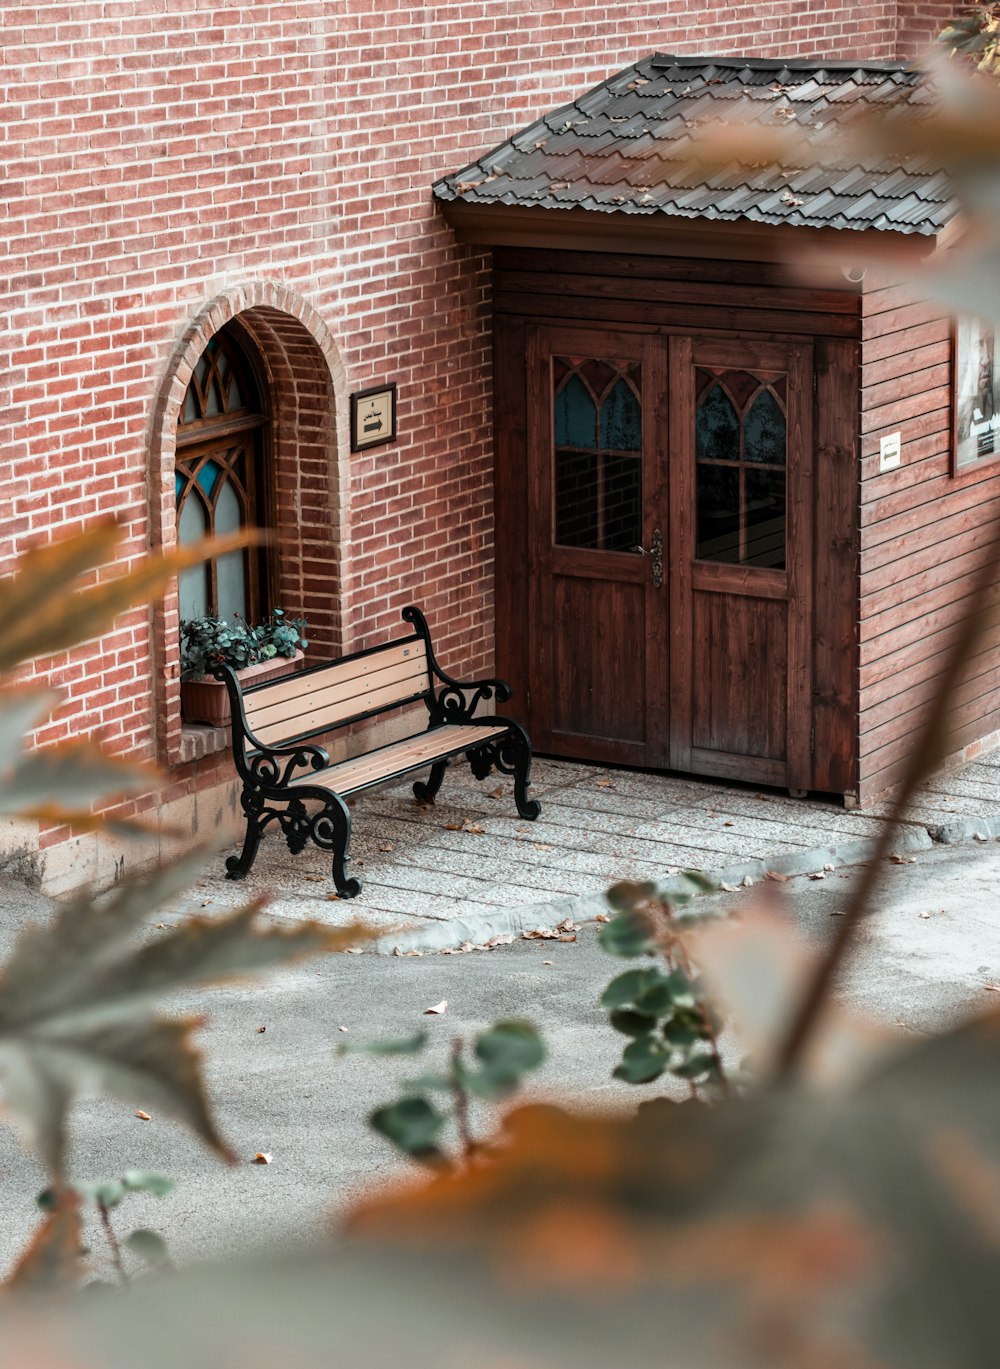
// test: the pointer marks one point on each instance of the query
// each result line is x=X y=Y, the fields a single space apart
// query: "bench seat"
x=399 y=758
x=288 y=777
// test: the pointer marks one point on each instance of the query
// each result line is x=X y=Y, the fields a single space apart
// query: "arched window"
x=221 y=481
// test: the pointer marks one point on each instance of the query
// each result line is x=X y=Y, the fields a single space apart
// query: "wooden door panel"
x=598 y=660
x=597 y=626
x=736 y=708
x=741 y=568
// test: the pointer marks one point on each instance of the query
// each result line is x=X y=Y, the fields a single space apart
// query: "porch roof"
x=629 y=147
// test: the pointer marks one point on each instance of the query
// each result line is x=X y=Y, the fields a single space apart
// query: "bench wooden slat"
x=323 y=718
x=336 y=673
x=337 y=699
x=363 y=770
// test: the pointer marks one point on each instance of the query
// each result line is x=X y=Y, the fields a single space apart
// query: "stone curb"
x=437 y=935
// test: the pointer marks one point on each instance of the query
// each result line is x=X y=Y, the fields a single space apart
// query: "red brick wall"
x=163 y=154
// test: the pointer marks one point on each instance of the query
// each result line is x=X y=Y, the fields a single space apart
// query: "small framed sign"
x=373 y=417
x=976 y=395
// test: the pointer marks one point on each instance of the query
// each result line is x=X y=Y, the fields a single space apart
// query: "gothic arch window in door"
x=221 y=481
x=597 y=436
x=740 y=449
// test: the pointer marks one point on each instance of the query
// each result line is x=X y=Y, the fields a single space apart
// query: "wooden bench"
x=283 y=773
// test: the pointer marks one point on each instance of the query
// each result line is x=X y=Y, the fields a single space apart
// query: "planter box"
x=207 y=700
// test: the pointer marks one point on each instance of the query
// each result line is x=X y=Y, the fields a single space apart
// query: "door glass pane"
x=740 y=434
x=576 y=499
x=765 y=519
x=764 y=434
x=597 y=419
x=717 y=427
x=621 y=420
x=575 y=415
x=622 y=502
x=718 y=532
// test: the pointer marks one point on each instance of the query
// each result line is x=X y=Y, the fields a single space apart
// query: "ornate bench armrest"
x=275 y=767
x=452 y=702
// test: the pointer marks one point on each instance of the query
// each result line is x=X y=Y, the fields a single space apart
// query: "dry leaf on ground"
x=437 y=1009
x=142 y=1116
x=261 y=1158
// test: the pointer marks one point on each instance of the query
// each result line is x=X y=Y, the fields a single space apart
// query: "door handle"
x=655 y=554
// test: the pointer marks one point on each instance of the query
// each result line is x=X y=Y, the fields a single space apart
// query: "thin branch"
x=461 y=1101
x=927 y=754
x=109 y=1231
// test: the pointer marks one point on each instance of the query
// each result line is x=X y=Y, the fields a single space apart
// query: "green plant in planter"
x=209 y=641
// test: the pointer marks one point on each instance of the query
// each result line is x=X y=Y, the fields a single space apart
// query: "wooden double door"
x=670 y=551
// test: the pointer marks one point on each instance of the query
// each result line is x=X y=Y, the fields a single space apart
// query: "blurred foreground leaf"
x=76 y=998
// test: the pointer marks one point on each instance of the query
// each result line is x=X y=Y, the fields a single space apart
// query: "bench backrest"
x=328 y=696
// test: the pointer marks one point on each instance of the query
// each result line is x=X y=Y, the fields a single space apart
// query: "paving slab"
x=434 y=882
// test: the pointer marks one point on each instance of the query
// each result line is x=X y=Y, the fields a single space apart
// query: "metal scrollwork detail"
x=510 y=755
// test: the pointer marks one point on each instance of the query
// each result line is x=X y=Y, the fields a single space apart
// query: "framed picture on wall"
x=373 y=417
x=976 y=392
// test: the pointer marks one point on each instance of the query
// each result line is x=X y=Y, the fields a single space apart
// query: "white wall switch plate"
x=890 y=452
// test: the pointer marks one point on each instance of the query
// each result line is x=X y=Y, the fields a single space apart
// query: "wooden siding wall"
x=712 y=298
x=923 y=531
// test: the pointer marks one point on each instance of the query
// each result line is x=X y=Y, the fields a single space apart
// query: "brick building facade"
x=172 y=165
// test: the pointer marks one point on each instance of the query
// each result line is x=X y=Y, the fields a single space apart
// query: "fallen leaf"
x=437 y=1009
x=729 y=824
x=496 y=793
x=386 y=846
x=728 y=888
x=261 y=1030
x=142 y=1116
x=559 y=185
x=789 y=198
x=261 y=1159
x=839 y=913
x=539 y=934
x=777 y=876
x=604 y=784
x=567 y=925
x=354 y=950
x=747 y=881
x=603 y=917
x=342 y=1029
x=817 y=874
x=828 y=866
x=903 y=860
x=541 y=846
x=992 y=988
x=567 y=936
x=923 y=915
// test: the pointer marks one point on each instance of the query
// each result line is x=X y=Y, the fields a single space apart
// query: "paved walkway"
x=469 y=868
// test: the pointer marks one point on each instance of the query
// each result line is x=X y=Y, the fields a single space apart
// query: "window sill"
x=198 y=741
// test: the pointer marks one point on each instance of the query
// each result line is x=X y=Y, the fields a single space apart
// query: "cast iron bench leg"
x=239 y=866
x=425 y=791
x=339 y=816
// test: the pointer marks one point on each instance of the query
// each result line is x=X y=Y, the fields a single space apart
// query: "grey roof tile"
x=630 y=146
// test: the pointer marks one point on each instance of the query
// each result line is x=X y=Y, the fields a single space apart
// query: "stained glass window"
x=597 y=433
x=219 y=481
x=740 y=449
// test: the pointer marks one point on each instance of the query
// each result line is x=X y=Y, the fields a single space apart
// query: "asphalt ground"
x=929 y=956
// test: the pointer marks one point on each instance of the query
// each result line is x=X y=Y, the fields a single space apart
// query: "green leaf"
x=438 y=1083
x=632 y=1023
x=406 y=1045
x=412 y=1124
x=626 y=935
x=109 y=1192
x=149 y=1246
x=683 y=1030
x=628 y=895
x=512 y=1046
x=642 y=1061
x=148 y=1181
x=630 y=986
x=696 y=1065
x=682 y=990
x=658 y=999
x=701 y=882
x=490 y=1082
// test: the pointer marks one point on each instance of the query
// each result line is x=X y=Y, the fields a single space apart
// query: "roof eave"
x=501 y=225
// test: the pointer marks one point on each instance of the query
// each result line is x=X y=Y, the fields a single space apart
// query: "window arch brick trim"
x=307 y=381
